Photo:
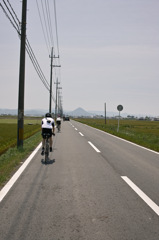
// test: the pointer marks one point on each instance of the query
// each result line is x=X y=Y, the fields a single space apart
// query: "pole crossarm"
x=56 y=65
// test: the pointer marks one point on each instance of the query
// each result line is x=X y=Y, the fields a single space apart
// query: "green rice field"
x=8 y=131
x=144 y=133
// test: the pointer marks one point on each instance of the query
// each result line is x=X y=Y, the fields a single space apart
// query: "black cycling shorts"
x=46 y=130
x=58 y=122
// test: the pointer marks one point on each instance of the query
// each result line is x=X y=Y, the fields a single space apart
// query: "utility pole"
x=56 y=97
x=51 y=77
x=20 y=130
x=59 y=101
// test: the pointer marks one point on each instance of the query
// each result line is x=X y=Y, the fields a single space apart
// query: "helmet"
x=48 y=115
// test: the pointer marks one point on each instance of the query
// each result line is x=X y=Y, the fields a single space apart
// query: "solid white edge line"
x=94 y=147
x=81 y=134
x=144 y=197
x=14 y=178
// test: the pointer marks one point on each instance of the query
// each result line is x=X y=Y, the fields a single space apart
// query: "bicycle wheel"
x=46 y=151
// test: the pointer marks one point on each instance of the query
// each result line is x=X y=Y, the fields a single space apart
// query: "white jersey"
x=58 y=119
x=47 y=122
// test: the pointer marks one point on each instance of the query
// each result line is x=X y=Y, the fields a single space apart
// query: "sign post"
x=119 y=108
x=105 y=113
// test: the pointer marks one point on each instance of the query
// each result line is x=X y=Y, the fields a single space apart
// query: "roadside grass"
x=13 y=157
x=143 y=133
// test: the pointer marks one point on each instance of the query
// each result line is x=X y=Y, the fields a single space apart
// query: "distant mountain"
x=41 y=112
x=32 y=112
x=8 y=111
x=80 y=112
x=35 y=112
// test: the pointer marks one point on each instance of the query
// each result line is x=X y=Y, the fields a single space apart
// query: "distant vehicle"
x=66 y=118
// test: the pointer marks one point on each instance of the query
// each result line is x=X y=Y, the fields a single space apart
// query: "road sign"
x=120 y=107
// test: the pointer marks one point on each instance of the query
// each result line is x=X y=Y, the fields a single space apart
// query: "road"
x=95 y=187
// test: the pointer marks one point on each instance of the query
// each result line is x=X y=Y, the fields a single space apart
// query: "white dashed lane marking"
x=81 y=134
x=141 y=194
x=96 y=149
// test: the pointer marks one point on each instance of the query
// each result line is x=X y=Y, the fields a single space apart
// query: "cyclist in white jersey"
x=58 y=122
x=47 y=126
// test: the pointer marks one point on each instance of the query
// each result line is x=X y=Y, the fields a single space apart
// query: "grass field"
x=8 y=131
x=144 y=133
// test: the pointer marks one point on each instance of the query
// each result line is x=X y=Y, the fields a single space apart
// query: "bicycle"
x=58 y=127
x=47 y=145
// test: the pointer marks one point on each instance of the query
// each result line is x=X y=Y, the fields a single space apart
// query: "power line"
x=15 y=24
x=11 y=15
x=36 y=64
x=49 y=21
x=46 y=23
x=56 y=27
x=13 y=11
x=47 y=32
x=42 y=26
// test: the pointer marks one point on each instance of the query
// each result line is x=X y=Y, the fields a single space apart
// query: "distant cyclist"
x=47 y=126
x=58 y=123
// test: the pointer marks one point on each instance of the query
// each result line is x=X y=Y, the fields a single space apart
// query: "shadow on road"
x=49 y=161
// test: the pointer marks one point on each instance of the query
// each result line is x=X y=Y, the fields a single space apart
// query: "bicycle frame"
x=58 y=127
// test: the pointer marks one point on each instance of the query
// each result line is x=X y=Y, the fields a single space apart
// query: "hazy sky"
x=109 y=52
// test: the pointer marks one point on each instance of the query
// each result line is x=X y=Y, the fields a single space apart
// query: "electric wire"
x=13 y=11
x=57 y=40
x=17 y=24
x=47 y=32
x=11 y=15
x=13 y=24
x=28 y=47
x=36 y=64
x=29 y=50
x=42 y=26
x=49 y=21
x=45 y=20
x=56 y=27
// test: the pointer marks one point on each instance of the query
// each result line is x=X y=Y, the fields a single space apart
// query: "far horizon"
x=78 y=109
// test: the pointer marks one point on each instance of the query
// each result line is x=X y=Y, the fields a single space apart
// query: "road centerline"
x=81 y=134
x=92 y=145
x=142 y=195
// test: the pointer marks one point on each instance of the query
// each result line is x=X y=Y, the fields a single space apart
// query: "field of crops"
x=144 y=133
x=8 y=131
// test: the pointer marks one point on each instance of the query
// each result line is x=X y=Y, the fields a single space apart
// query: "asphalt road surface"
x=94 y=187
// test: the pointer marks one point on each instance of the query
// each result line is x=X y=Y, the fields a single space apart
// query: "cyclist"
x=47 y=126
x=58 y=122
